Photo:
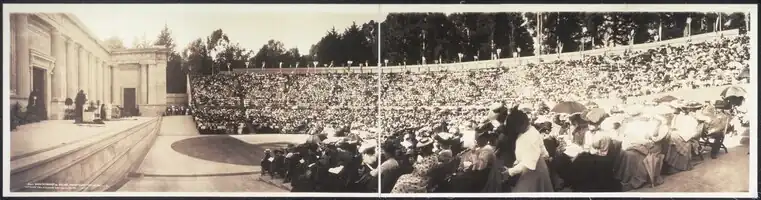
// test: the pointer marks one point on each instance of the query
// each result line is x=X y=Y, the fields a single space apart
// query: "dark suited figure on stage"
x=103 y=112
x=79 y=103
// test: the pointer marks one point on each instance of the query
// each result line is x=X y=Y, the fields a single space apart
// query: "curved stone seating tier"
x=464 y=66
x=97 y=160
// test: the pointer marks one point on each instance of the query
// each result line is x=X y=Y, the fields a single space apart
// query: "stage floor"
x=48 y=137
x=181 y=160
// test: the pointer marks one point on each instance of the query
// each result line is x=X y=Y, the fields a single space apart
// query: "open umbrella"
x=569 y=107
x=733 y=91
x=665 y=99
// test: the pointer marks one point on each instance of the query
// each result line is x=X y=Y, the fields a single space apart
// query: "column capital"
x=21 y=16
x=147 y=62
x=55 y=32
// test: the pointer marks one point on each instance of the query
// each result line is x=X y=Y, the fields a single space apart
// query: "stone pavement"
x=51 y=134
x=181 y=160
x=728 y=173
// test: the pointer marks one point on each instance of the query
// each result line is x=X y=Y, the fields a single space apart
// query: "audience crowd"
x=433 y=133
x=437 y=140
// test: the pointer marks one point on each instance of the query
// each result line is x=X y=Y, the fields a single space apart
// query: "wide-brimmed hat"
x=406 y=144
x=423 y=142
x=616 y=110
x=595 y=115
x=447 y=138
x=368 y=147
x=333 y=140
x=352 y=138
x=496 y=106
x=692 y=105
x=634 y=110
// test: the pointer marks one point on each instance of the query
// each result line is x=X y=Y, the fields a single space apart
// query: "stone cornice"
x=84 y=29
x=38 y=54
x=141 y=50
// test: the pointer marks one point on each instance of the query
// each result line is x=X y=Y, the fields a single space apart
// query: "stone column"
x=82 y=69
x=23 y=68
x=143 y=84
x=106 y=83
x=72 y=83
x=160 y=78
x=48 y=93
x=58 y=82
x=90 y=78
x=152 y=83
x=114 y=89
x=97 y=79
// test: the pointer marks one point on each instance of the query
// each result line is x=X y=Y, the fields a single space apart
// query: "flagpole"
x=538 y=36
x=747 y=22
x=660 y=28
x=717 y=25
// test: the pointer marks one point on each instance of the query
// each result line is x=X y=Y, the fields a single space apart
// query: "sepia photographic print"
x=559 y=101
x=379 y=100
x=169 y=101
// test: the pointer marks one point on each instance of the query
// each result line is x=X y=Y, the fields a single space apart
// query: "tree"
x=114 y=43
x=328 y=49
x=175 y=76
x=232 y=54
x=271 y=54
x=165 y=39
x=370 y=31
x=141 y=42
x=196 y=58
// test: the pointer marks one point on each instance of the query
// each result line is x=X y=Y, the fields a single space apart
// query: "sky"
x=250 y=29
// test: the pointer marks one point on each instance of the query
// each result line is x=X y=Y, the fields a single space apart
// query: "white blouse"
x=529 y=148
x=685 y=126
x=640 y=129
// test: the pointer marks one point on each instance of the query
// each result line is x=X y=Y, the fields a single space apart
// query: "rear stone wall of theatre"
x=145 y=71
x=72 y=59
x=56 y=44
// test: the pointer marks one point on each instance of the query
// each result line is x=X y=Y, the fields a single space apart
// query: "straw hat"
x=616 y=110
x=595 y=115
x=368 y=147
x=496 y=106
x=333 y=140
x=634 y=110
x=692 y=105
x=423 y=142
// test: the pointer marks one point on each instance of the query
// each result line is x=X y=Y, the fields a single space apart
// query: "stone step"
x=92 y=165
x=277 y=182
